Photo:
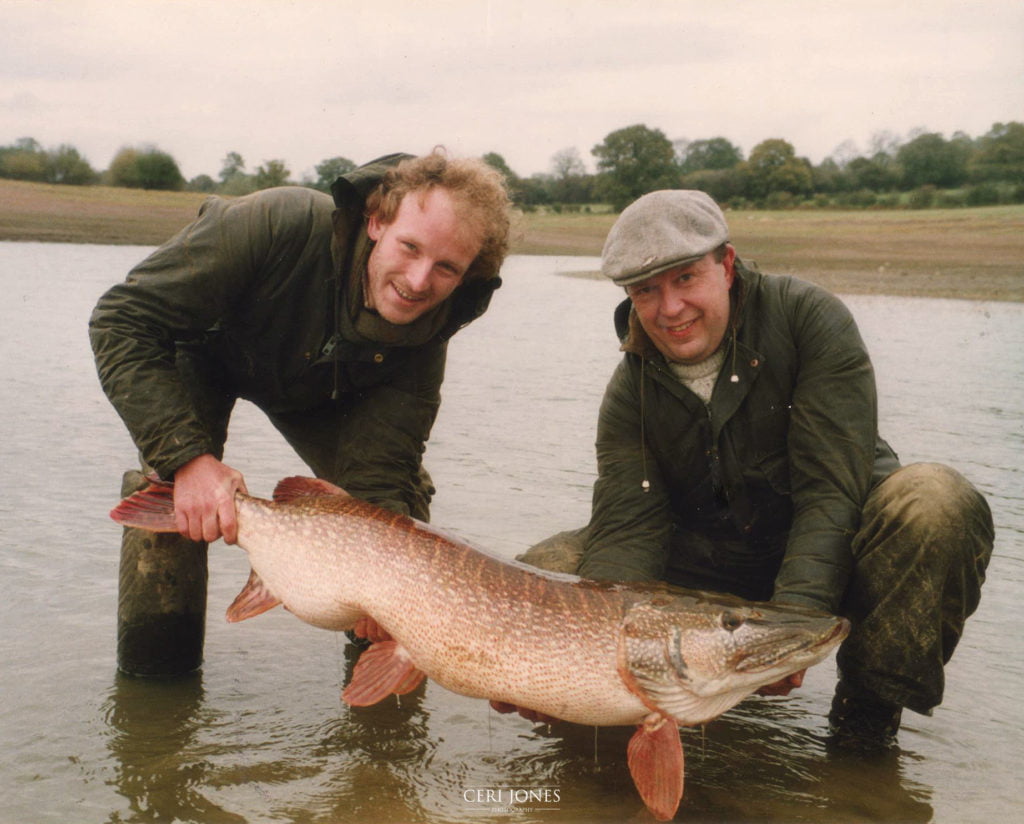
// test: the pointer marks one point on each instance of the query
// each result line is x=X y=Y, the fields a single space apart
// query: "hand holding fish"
x=204 y=499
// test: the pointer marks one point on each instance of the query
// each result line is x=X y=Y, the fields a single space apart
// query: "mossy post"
x=161 y=599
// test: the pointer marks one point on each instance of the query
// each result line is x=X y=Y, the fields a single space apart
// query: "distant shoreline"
x=973 y=254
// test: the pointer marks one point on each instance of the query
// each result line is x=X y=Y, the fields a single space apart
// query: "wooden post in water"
x=161 y=599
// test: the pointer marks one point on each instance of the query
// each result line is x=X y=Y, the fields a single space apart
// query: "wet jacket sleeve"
x=831 y=445
x=177 y=293
x=628 y=532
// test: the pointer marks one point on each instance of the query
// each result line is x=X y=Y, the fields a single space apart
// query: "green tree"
x=632 y=162
x=233 y=178
x=522 y=192
x=201 y=183
x=715 y=153
x=931 y=160
x=327 y=171
x=123 y=169
x=158 y=170
x=24 y=160
x=231 y=166
x=723 y=185
x=145 y=167
x=496 y=161
x=828 y=176
x=999 y=154
x=65 y=165
x=534 y=190
x=774 y=167
x=27 y=160
x=272 y=173
x=876 y=173
x=570 y=181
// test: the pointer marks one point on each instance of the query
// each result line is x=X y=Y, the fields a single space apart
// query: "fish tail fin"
x=655 y=758
x=382 y=670
x=297 y=488
x=151 y=508
x=253 y=600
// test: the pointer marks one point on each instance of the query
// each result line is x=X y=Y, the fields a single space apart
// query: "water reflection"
x=153 y=724
x=375 y=754
x=799 y=777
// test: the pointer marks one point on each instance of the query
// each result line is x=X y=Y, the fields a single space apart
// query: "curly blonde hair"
x=479 y=191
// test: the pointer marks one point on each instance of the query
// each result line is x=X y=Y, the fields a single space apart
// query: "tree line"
x=927 y=169
x=149 y=167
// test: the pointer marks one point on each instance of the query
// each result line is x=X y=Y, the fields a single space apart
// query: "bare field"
x=959 y=253
x=975 y=254
x=92 y=214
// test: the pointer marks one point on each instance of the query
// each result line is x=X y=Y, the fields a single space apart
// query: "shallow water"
x=261 y=734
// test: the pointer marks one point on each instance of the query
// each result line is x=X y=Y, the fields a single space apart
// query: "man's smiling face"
x=685 y=310
x=420 y=257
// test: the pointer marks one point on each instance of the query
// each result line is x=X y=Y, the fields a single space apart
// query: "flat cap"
x=660 y=231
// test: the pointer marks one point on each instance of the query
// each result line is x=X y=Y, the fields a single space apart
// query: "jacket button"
x=378 y=358
x=755 y=362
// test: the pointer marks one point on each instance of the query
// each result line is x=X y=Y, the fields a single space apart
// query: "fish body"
x=588 y=652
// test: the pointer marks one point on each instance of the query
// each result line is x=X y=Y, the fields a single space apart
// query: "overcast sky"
x=304 y=80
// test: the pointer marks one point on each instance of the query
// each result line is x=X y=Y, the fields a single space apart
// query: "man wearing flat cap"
x=738 y=451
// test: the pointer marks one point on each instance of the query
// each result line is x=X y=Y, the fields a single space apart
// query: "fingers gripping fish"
x=587 y=652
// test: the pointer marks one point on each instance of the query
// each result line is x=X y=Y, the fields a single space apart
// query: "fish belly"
x=476 y=625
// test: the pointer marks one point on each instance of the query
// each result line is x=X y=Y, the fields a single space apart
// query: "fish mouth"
x=811 y=647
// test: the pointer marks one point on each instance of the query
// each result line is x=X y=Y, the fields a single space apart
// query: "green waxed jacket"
x=262 y=288
x=767 y=480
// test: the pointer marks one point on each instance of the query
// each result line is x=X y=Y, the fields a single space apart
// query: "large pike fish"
x=587 y=652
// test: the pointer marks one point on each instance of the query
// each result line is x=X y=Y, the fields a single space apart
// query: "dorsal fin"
x=296 y=488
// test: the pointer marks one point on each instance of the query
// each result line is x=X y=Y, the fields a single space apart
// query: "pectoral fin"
x=655 y=758
x=382 y=670
x=254 y=599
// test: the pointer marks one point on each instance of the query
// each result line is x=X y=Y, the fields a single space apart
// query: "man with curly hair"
x=332 y=315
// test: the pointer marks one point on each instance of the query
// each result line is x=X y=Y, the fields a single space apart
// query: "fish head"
x=692 y=656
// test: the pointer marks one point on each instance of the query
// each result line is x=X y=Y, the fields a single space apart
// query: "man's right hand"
x=204 y=499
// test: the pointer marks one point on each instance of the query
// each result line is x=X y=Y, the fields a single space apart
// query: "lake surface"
x=261 y=734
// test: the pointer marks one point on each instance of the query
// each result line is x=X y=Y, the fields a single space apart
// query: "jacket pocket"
x=775 y=469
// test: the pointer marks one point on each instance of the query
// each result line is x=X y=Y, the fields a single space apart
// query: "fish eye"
x=732 y=621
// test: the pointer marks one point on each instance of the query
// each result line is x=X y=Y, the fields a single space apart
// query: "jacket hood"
x=469 y=302
x=354 y=187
